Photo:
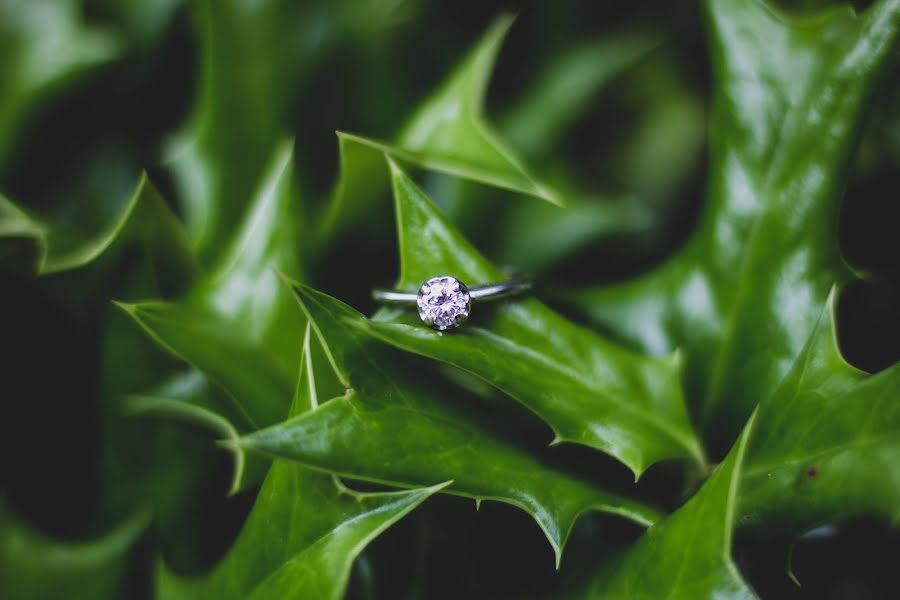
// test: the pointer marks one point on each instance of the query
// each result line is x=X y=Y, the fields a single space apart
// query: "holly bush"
x=701 y=398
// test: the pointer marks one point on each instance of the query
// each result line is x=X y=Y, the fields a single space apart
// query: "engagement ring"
x=444 y=302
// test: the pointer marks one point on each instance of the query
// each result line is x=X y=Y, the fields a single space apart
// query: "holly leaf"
x=190 y=398
x=145 y=220
x=392 y=427
x=141 y=251
x=536 y=235
x=688 y=554
x=448 y=133
x=824 y=445
x=743 y=296
x=33 y=565
x=304 y=531
x=253 y=59
x=589 y=390
x=238 y=325
x=821 y=448
x=300 y=539
x=236 y=123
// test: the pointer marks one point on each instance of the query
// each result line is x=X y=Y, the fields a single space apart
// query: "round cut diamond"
x=443 y=302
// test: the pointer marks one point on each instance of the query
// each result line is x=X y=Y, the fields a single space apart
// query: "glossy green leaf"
x=218 y=158
x=589 y=390
x=821 y=448
x=304 y=532
x=688 y=554
x=150 y=459
x=361 y=182
x=239 y=326
x=189 y=398
x=34 y=566
x=572 y=88
x=744 y=295
x=536 y=235
x=253 y=58
x=145 y=220
x=448 y=133
x=142 y=251
x=43 y=43
x=825 y=445
x=300 y=540
x=392 y=427
x=728 y=331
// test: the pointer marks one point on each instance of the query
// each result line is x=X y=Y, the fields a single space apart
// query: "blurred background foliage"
x=608 y=101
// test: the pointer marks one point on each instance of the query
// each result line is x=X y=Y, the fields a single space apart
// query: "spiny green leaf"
x=303 y=533
x=239 y=325
x=361 y=182
x=821 y=448
x=589 y=390
x=392 y=427
x=688 y=554
x=236 y=122
x=252 y=58
x=448 y=133
x=146 y=219
x=825 y=444
x=744 y=295
x=205 y=342
x=188 y=397
x=300 y=539
x=535 y=235
x=141 y=251
x=35 y=566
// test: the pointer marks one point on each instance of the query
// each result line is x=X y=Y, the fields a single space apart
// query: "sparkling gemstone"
x=443 y=302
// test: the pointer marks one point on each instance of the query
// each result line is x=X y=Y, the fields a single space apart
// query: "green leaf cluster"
x=233 y=374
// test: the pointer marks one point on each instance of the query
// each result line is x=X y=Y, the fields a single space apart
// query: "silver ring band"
x=489 y=291
x=444 y=302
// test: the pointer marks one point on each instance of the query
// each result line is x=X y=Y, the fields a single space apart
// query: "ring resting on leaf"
x=445 y=302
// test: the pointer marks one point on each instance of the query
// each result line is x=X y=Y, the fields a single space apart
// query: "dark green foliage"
x=196 y=405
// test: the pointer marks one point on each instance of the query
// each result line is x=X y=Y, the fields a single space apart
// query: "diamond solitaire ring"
x=444 y=302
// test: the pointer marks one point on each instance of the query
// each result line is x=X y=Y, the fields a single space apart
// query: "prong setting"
x=444 y=302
